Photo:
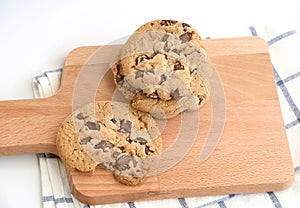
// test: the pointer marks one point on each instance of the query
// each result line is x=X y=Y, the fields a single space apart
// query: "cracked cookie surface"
x=163 y=69
x=112 y=135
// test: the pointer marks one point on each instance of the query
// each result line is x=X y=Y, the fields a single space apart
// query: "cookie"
x=112 y=135
x=163 y=69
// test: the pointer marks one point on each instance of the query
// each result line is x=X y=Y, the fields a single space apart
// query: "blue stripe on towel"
x=231 y=195
x=274 y=199
x=63 y=200
x=47 y=155
x=218 y=200
x=41 y=155
x=54 y=70
x=37 y=77
x=286 y=94
x=293 y=123
x=277 y=38
x=50 y=155
x=253 y=31
x=281 y=36
x=48 y=198
x=131 y=205
x=297 y=169
x=222 y=204
x=183 y=203
x=69 y=200
x=291 y=77
x=58 y=200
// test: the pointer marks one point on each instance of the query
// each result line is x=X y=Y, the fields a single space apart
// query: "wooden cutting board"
x=252 y=154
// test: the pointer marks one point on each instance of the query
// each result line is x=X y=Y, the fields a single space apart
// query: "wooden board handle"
x=30 y=126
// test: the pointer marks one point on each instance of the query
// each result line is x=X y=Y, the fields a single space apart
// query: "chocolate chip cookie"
x=163 y=69
x=112 y=135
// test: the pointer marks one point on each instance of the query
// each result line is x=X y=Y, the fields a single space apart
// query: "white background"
x=37 y=35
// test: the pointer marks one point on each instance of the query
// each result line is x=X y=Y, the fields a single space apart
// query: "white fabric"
x=284 y=46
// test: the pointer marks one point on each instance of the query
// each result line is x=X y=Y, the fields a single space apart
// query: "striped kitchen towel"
x=284 y=46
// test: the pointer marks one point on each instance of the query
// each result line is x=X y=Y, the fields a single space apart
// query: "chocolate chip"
x=185 y=25
x=176 y=94
x=166 y=47
x=139 y=74
x=133 y=91
x=178 y=66
x=154 y=53
x=140 y=59
x=85 y=140
x=163 y=78
x=122 y=162
x=134 y=162
x=103 y=145
x=151 y=71
x=185 y=37
x=148 y=150
x=193 y=71
x=119 y=68
x=125 y=126
x=200 y=100
x=93 y=125
x=113 y=120
x=153 y=95
x=122 y=149
x=80 y=116
x=129 y=140
x=165 y=37
x=177 y=51
x=168 y=22
x=141 y=140
x=120 y=79
x=116 y=154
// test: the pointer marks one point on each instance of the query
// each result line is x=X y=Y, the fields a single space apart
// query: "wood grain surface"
x=252 y=154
